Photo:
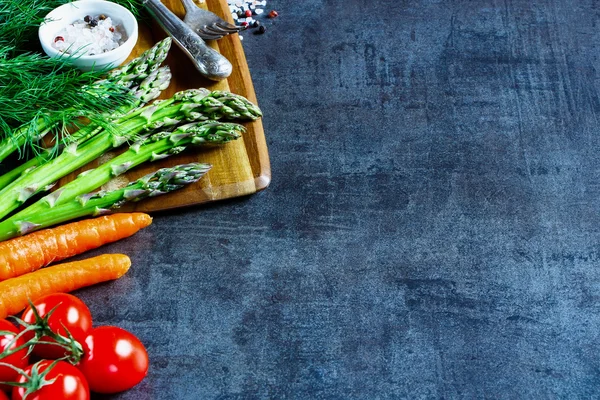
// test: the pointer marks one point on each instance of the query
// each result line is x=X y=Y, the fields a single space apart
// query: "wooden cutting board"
x=240 y=167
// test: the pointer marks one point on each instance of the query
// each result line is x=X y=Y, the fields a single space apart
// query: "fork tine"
x=228 y=27
x=214 y=33
x=209 y=35
x=207 y=24
x=212 y=29
x=217 y=29
x=224 y=31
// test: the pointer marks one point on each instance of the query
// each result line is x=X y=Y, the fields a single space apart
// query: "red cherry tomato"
x=69 y=383
x=114 y=360
x=18 y=359
x=70 y=313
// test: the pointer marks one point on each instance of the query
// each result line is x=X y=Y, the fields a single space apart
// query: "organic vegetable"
x=155 y=147
x=148 y=90
x=51 y=380
x=31 y=252
x=16 y=292
x=61 y=314
x=39 y=249
x=114 y=360
x=17 y=358
x=141 y=81
x=50 y=91
x=191 y=105
x=37 y=95
x=93 y=204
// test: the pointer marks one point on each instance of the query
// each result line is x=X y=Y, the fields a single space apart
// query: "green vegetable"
x=155 y=147
x=189 y=105
x=139 y=71
x=93 y=204
x=38 y=93
x=149 y=89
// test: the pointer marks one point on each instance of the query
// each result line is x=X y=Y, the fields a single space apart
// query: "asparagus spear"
x=189 y=105
x=140 y=67
x=93 y=204
x=148 y=90
x=155 y=147
x=134 y=72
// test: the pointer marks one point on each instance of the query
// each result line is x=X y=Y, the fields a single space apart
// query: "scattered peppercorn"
x=247 y=12
x=111 y=29
x=87 y=18
x=59 y=39
x=93 y=23
x=101 y=17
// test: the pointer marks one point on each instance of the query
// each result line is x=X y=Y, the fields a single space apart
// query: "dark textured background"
x=431 y=228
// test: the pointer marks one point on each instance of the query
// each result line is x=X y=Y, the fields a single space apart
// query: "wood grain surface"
x=240 y=167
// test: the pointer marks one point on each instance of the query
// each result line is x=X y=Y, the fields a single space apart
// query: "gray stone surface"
x=431 y=229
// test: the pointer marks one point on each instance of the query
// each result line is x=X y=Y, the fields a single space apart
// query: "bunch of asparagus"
x=152 y=131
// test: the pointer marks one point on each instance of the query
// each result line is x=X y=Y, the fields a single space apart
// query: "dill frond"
x=38 y=91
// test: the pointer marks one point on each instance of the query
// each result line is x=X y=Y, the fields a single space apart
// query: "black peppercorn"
x=93 y=23
x=87 y=18
x=261 y=30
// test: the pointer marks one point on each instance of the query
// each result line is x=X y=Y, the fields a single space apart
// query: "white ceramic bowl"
x=70 y=12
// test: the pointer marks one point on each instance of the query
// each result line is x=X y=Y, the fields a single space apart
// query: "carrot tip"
x=141 y=219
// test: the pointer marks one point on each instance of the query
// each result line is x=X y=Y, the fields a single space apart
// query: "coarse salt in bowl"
x=106 y=48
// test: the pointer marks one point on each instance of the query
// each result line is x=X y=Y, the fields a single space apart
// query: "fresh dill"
x=38 y=91
x=31 y=84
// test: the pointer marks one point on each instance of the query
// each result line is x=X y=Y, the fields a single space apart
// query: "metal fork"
x=208 y=61
x=206 y=24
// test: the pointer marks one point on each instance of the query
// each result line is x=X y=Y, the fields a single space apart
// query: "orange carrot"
x=62 y=278
x=28 y=253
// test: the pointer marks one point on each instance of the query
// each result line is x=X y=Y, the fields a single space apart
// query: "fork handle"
x=208 y=61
